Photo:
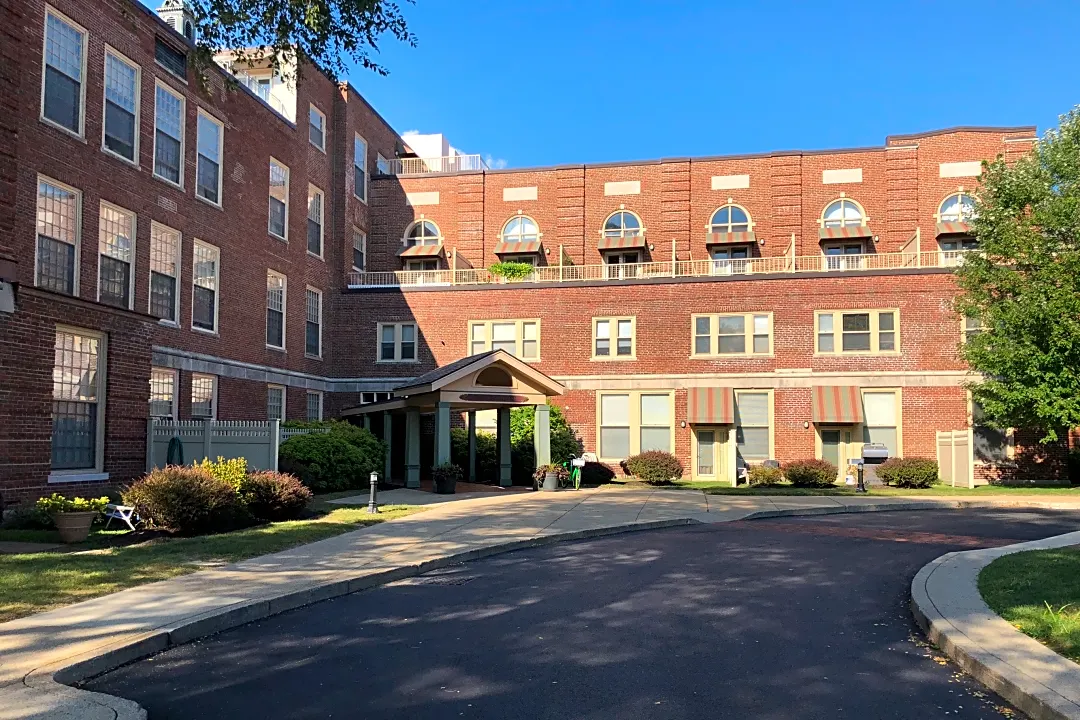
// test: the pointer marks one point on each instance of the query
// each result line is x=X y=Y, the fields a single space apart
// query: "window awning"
x=953 y=228
x=732 y=238
x=620 y=243
x=710 y=405
x=421 y=251
x=517 y=248
x=840 y=404
x=848 y=232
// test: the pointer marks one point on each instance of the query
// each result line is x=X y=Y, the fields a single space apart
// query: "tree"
x=1024 y=287
x=323 y=32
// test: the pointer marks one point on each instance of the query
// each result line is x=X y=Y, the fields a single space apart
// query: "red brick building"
x=185 y=243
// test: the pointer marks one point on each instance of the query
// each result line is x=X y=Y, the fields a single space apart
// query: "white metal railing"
x=682 y=268
x=263 y=90
x=423 y=166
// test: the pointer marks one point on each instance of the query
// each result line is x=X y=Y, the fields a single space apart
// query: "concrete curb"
x=946 y=603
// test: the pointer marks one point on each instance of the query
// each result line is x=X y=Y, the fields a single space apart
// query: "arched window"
x=622 y=223
x=730 y=219
x=520 y=229
x=842 y=213
x=958 y=207
x=423 y=232
x=494 y=377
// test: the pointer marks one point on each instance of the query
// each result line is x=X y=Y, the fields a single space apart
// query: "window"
x=423 y=232
x=121 y=125
x=170 y=58
x=622 y=223
x=371 y=397
x=741 y=334
x=360 y=168
x=958 y=207
x=275 y=309
x=163 y=393
x=422 y=265
x=63 y=90
x=204 y=287
x=313 y=329
x=397 y=342
x=359 y=249
x=864 y=331
x=168 y=135
x=843 y=256
x=317 y=128
x=279 y=200
x=990 y=445
x=382 y=165
x=208 y=169
x=314 y=221
x=633 y=422
x=275 y=403
x=164 y=273
x=203 y=396
x=842 y=213
x=520 y=229
x=78 y=400
x=520 y=338
x=314 y=405
x=753 y=425
x=730 y=219
x=58 y=221
x=958 y=244
x=881 y=418
x=971 y=327
x=614 y=338
x=116 y=255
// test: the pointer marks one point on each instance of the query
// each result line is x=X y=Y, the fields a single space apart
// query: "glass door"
x=836 y=447
x=709 y=453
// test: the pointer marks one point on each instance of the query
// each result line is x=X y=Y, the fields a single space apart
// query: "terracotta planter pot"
x=74 y=527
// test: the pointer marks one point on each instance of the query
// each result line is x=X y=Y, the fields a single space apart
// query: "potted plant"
x=73 y=517
x=445 y=478
x=549 y=476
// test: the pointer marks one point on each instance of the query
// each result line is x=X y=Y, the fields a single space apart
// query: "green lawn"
x=715 y=488
x=1039 y=593
x=42 y=581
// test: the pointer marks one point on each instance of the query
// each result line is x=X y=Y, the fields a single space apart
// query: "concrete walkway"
x=40 y=652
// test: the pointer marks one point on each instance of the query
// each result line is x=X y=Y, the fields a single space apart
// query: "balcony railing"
x=679 y=269
x=424 y=166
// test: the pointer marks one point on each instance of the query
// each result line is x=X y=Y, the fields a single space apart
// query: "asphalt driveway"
x=776 y=619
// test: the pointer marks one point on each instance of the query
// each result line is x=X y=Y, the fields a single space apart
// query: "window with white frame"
x=397 y=342
x=168 y=57
x=730 y=219
x=371 y=397
x=753 y=425
x=990 y=445
x=315 y=221
x=58 y=229
x=279 y=200
x=203 y=396
x=655 y=422
x=168 y=135
x=614 y=441
x=275 y=309
x=842 y=213
x=78 y=400
x=313 y=327
x=622 y=224
x=520 y=338
x=858 y=331
x=520 y=229
x=163 y=393
x=63 y=89
x=422 y=232
x=972 y=326
x=204 y=287
x=634 y=422
x=732 y=334
x=881 y=419
x=116 y=256
x=421 y=264
x=164 y=273
x=121 y=126
x=211 y=134
x=275 y=403
x=316 y=127
x=614 y=338
x=314 y=405
x=360 y=168
x=359 y=249
x=958 y=207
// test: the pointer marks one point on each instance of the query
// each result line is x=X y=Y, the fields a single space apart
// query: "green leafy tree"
x=1024 y=287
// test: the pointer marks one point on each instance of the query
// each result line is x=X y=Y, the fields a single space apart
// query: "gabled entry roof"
x=447 y=374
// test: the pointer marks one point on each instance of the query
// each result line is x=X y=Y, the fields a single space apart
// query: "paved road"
x=775 y=619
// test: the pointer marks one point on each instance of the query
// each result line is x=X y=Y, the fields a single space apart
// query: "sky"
x=548 y=82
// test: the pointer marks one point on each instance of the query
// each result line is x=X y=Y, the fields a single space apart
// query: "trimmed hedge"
x=762 y=476
x=810 y=473
x=908 y=472
x=274 y=496
x=341 y=459
x=655 y=466
x=187 y=499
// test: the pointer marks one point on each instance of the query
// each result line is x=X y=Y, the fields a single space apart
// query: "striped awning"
x=732 y=238
x=953 y=228
x=620 y=243
x=421 y=251
x=517 y=248
x=837 y=404
x=710 y=405
x=845 y=233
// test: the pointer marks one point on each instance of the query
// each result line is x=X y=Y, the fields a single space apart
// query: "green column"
x=442 y=433
x=472 y=446
x=542 y=435
x=503 y=429
x=388 y=438
x=412 y=448
x=367 y=421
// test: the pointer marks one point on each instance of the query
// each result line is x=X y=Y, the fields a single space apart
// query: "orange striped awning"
x=837 y=404
x=620 y=243
x=953 y=228
x=710 y=405
x=517 y=248
x=847 y=232
x=421 y=251
x=732 y=238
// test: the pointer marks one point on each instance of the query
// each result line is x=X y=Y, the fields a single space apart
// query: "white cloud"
x=410 y=133
x=494 y=163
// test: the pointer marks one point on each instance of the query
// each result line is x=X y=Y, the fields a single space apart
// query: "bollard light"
x=373 y=498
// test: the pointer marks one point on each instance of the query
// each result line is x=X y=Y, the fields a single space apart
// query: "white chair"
x=123 y=513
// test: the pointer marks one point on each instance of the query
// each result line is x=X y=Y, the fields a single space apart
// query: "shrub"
x=763 y=476
x=810 y=473
x=564 y=441
x=325 y=462
x=596 y=473
x=231 y=471
x=655 y=466
x=25 y=517
x=1073 y=463
x=511 y=270
x=487 y=453
x=187 y=499
x=274 y=496
x=908 y=472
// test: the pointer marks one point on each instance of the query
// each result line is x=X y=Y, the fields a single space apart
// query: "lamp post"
x=373 y=498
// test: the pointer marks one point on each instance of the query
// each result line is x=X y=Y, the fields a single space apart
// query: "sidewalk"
x=89 y=638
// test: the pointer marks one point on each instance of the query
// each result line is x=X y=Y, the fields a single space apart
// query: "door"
x=836 y=447
x=730 y=260
x=710 y=453
x=843 y=256
x=616 y=259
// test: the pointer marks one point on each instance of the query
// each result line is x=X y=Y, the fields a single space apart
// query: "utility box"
x=873 y=454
